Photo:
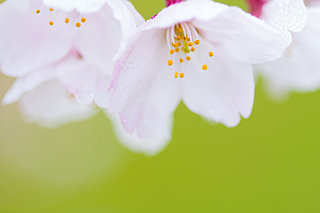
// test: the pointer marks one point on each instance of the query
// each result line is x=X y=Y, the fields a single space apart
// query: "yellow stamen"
x=177 y=49
x=83 y=20
x=171 y=52
x=67 y=20
x=188 y=58
x=204 y=67
x=197 y=42
x=170 y=62
x=193 y=49
x=211 y=54
x=181 y=75
x=181 y=60
x=176 y=74
x=51 y=23
x=37 y=11
x=78 y=24
x=188 y=39
x=190 y=44
x=175 y=44
x=51 y=9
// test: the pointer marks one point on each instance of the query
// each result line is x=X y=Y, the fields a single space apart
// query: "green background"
x=269 y=163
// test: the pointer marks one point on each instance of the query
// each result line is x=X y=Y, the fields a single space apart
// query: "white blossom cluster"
x=72 y=57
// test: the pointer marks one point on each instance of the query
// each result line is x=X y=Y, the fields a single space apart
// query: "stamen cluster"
x=183 y=40
x=67 y=20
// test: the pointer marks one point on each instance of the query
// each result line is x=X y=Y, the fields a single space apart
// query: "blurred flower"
x=200 y=52
x=297 y=70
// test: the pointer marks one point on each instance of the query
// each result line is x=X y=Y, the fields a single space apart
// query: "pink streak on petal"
x=256 y=7
x=170 y=2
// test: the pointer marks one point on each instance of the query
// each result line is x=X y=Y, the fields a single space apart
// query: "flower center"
x=183 y=42
x=77 y=23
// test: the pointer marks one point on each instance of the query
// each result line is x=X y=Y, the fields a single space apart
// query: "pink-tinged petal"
x=244 y=37
x=222 y=93
x=82 y=6
x=28 y=42
x=285 y=14
x=299 y=69
x=137 y=69
x=312 y=3
x=144 y=92
x=86 y=82
x=149 y=146
x=49 y=105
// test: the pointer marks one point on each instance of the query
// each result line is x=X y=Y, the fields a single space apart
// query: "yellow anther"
x=197 y=42
x=188 y=39
x=178 y=38
x=67 y=20
x=177 y=49
x=174 y=44
x=170 y=62
x=188 y=58
x=179 y=30
x=179 y=44
x=204 y=67
x=190 y=44
x=51 y=9
x=83 y=20
x=181 y=75
x=193 y=49
x=181 y=60
x=171 y=52
x=51 y=23
x=176 y=74
x=78 y=24
x=37 y=11
x=211 y=54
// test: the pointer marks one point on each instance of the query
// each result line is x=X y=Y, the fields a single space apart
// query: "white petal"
x=86 y=81
x=137 y=69
x=28 y=83
x=129 y=19
x=145 y=93
x=82 y=6
x=28 y=42
x=186 y=11
x=99 y=39
x=223 y=93
x=285 y=14
x=245 y=37
x=298 y=70
x=50 y=106
x=149 y=146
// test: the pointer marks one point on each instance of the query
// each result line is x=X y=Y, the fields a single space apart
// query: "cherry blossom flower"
x=200 y=52
x=38 y=36
x=64 y=58
x=297 y=70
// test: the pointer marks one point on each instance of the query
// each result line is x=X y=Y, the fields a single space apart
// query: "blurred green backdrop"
x=269 y=163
